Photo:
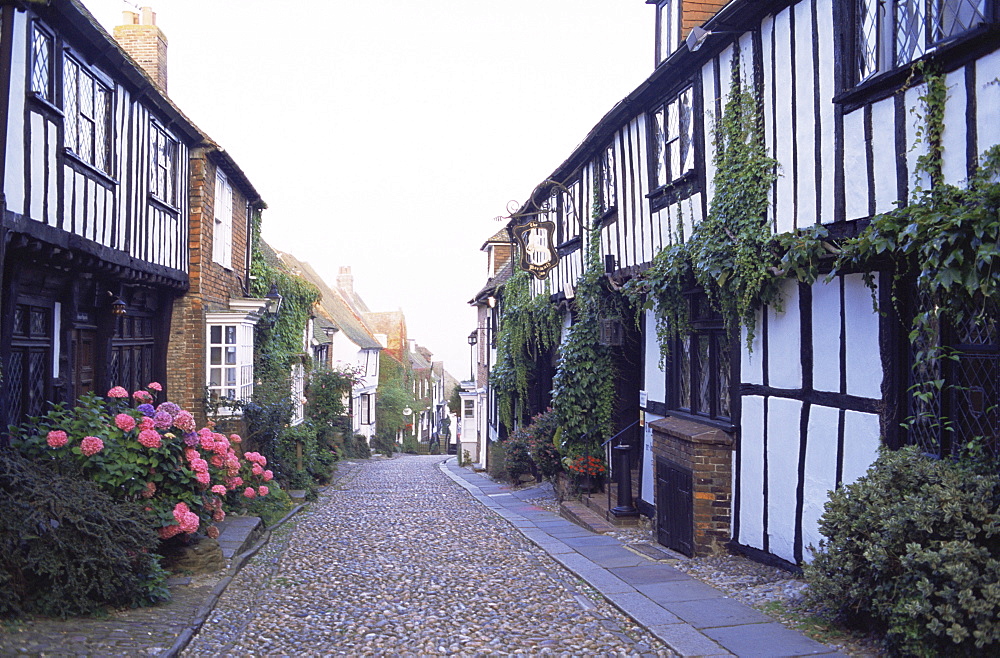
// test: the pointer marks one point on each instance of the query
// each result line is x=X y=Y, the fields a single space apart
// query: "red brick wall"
x=147 y=45
x=212 y=286
x=697 y=12
x=707 y=453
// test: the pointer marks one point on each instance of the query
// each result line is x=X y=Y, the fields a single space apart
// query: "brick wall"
x=707 y=453
x=145 y=43
x=211 y=286
x=697 y=12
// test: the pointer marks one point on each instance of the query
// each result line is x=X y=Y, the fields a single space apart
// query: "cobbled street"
x=397 y=559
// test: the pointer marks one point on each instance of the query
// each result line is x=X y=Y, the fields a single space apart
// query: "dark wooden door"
x=83 y=361
x=674 y=507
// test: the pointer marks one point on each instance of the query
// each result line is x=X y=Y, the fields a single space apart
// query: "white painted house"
x=825 y=383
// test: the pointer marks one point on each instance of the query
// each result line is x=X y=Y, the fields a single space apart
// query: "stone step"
x=238 y=533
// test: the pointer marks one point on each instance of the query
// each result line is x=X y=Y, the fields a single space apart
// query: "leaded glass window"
x=163 y=165
x=892 y=33
x=668 y=28
x=698 y=372
x=87 y=109
x=605 y=174
x=41 y=64
x=673 y=139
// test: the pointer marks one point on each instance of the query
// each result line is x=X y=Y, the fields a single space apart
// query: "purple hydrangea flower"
x=169 y=407
x=191 y=439
x=147 y=410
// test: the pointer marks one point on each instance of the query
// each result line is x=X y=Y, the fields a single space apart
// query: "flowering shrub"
x=185 y=479
x=586 y=465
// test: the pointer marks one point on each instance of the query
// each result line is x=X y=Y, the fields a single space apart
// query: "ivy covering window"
x=298 y=393
x=222 y=237
x=698 y=373
x=673 y=139
x=230 y=361
x=41 y=64
x=893 y=33
x=163 y=165
x=87 y=122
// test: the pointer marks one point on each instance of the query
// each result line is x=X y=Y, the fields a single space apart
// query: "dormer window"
x=668 y=28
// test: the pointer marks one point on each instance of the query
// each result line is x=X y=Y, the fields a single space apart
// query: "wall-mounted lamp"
x=474 y=337
x=273 y=298
x=492 y=301
x=117 y=305
x=697 y=36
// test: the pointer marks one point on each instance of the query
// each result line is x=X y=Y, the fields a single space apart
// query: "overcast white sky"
x=388 y=134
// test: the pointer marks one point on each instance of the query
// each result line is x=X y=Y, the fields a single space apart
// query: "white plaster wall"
x=766 y=29
x=824 y=11
x=710 y=100
x=855 y=166
x=655 y=378
x=884 y=154
x=864 y=364
x=751 y=472
x=861 y=444
x=805 y=117
x=820 y=472
x=752 y=361
x=826 y=335
x=784 y=366
x=647 y=490
x=784 y=210
x=987 y=101
x=783 y=420
x=14 y=163
x=954 y=168
x=37 y=157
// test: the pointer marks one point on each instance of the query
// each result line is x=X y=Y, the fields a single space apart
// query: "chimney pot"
x=148 y=16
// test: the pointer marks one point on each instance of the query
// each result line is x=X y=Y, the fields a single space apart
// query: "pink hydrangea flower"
x=203 y=478
x=263 y=490
x=190 y=522
x=235 y=438
x=212 y=532
x=56 y=438
x=217 y=461
x=219 y=489
x=91 y=445
x=218 y=515
x=142 y=396
x=268 y=475
x=146 y=423
x=180 y=509
x=150 y=438
x=117 y=392
x=199 y=465
x=154 y=386
x=233 y=482
x=149 y=491
x=166 y=532
x=249 y=492
x=191 y=454
x=184 y=421
x=257 y=469
x=125 y=422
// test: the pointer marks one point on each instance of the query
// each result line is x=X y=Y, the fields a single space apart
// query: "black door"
x=674 y=507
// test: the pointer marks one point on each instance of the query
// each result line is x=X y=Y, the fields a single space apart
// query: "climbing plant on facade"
x=529 y=326
x=583 y=389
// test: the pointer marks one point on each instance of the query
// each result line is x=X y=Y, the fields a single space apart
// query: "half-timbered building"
x=95 y=210
x=739 y=444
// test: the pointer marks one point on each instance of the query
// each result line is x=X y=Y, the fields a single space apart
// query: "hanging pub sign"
x=538 y=255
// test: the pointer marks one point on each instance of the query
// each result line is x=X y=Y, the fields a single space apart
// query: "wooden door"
x=674 y=507
x=83 y=361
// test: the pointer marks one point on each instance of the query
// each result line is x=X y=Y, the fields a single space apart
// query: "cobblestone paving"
x=396 y=559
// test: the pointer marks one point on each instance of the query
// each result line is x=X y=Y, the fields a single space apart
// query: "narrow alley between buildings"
x=397 y=559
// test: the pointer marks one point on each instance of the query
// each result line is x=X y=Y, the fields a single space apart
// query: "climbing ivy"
x=583 y=389
x=529 y=327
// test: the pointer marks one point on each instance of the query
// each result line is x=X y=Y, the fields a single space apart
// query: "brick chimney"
x=345 y=280
x=145 y=43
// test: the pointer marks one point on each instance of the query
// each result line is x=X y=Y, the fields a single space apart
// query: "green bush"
x=67 y=548
x=410 y=444
x=912 y=550
x=498 y=457
x=317 y=457
x=357 y=447
x=271 y=508
x=517 y=460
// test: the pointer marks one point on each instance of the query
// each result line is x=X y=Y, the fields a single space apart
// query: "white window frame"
x=229 y=361
x=162 y=165
x=365 y=408
x=668 y=28
x=298 y=379
x=222 y=235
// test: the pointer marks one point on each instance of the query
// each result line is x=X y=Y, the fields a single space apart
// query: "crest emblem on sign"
x=535 y=244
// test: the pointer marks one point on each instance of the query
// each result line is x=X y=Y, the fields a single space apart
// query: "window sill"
x=674 y=191
x=107 y=179
x=948 y=55
x=569 y=246
x=163 y=205
x=48 y=106
x=720 y=424
x=609 y=216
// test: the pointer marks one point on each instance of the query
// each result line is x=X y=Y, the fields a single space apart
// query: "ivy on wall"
x=583 y=389
x=528 y=328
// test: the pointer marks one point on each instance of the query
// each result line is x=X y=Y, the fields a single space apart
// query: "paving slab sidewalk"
x=690 y=617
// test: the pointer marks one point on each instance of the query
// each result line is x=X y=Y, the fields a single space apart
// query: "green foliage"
x=732 y=249
x=357 y=447
x=455 y=401
x=271 y=508
x=67 y=548
x=529 y=326
x=393 y=396
x=329 y=392
x=913 y=549
x=317 y=459
x=410 y=445
x=583 y=389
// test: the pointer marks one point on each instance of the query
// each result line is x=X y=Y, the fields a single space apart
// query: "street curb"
x=205 y=609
